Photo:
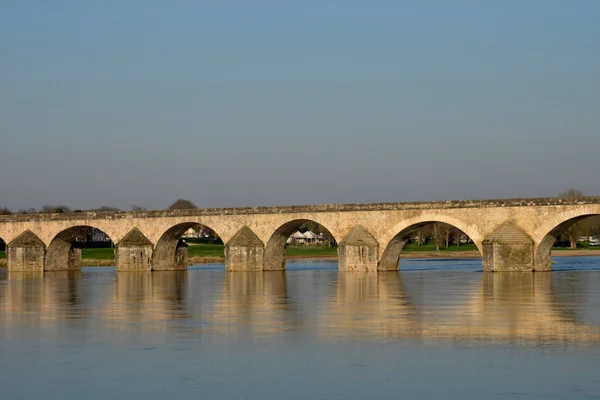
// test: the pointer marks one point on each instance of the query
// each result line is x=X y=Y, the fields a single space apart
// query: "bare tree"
x=182 y=204
x=572 y=193
x=5 y=211
x=438 y=235
x=420 y=237
x=135 y=207
x=446 y=231
x=457 y=235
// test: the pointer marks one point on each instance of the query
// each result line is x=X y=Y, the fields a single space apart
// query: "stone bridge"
x=511 y=234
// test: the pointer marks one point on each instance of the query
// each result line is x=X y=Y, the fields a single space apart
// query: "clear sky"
x=235 y=103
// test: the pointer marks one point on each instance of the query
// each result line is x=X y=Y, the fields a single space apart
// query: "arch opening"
x=298 y=238
x=580 y=232
x=427 y=239
x=3 y=261
x=70 y=246
x=184 y=243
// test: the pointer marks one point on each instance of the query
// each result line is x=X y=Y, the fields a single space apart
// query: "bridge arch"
x=546 y=235
x=402 y=232
x=275 y=250
x=64 y=250
x=170 y=251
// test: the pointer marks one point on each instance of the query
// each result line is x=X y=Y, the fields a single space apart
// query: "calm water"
x=437 y=329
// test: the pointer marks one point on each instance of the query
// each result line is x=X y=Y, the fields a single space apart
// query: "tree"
x=572 y=193
x=105 y=209
x=135 y=207
x=446 y=231
x=438 y=236
x=573 y=230
x=457 y=235
x=47 y=209
x=182 y=204
x=5 y=211
x=420 y=237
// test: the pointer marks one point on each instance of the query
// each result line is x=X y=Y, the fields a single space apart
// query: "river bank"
x=407 y=255
x=470 y=254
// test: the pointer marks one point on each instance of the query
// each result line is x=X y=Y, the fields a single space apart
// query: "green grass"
x=206 y=250
x=312 y=251
x=98 y=254
x=412 y=247
x=216 y=250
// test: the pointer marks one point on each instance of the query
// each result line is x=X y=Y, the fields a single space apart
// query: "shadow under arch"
x=64 y=251
x=542 y=256
x=275 y=250
x=3 y=252
x=170 y=252
x=390 y=259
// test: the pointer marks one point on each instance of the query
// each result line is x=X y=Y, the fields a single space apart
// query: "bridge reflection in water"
x=328 y=304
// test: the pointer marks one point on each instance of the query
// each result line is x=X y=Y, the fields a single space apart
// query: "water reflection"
x=518 y=306
x=323 y=304
x=48 y=295
x=253 y=302
x=148 y=297
x=367 y=303
x=42 y=305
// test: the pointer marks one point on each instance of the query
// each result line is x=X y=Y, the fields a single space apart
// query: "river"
x=436 y=329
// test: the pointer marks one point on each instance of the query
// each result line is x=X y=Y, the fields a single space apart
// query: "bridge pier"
x=62 y=256
x=244 y=252
x=508 y=249
x=134 y=252
x=359 y=251
x=176 y=260
x=181 y=256
x=26 y=253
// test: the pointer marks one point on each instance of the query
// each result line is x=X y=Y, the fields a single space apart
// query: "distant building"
x=307 y=238
x=191 y=233
x=99 y=236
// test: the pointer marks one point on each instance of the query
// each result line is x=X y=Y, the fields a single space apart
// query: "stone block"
x=359 y=251
x=134 y=252
x=508 y=249
x=26 y=253
x=244 y=252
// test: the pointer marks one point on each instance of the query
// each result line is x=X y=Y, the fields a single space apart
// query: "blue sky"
x=234 y=103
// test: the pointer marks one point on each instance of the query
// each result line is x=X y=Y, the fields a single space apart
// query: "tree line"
x=179 y=204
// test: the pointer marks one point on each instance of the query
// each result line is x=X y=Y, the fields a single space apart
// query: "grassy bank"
x=202 y=253
x=216 y=251
x=412 y=247
x=311 y=251
x=206 y=250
